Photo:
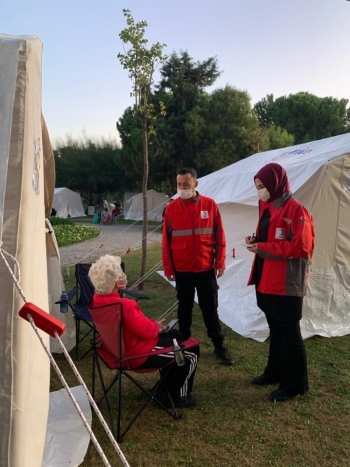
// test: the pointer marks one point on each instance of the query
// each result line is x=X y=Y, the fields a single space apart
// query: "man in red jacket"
x=193 y=254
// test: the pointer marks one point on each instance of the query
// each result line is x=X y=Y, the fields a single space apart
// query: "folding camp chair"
x=83 y=293
x=109 y=348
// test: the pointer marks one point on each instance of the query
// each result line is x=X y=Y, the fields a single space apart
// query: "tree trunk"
x=144 y=192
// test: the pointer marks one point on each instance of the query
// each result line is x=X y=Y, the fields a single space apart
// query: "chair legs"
x=78 y=339
x=150 y=393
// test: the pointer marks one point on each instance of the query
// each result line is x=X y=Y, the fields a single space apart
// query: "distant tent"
x=156 y=202
x=67 y=202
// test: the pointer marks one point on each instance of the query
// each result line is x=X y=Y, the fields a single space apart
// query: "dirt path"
x=113 y=239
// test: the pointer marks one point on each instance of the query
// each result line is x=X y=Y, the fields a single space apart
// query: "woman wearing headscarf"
x=283 y=248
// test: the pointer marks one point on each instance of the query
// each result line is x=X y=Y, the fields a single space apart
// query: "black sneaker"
x=281 y=396
x=185 y=401
x=224 y=355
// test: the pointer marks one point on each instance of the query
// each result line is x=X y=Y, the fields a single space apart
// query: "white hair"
x=105 y=273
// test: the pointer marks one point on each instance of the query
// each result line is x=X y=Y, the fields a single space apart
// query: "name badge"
x=204 y=215
x=280 y=233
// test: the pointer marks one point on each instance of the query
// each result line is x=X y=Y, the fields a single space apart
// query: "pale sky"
x=264 y=47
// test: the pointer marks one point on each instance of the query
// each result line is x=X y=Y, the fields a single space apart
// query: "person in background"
x=141 y=334
x=193 y=254
x=283 y=248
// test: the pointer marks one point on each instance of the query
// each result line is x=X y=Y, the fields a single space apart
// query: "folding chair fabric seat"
x=109 y=325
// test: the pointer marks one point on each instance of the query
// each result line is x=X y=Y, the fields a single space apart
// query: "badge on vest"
x=204 y=215
x=280 y=233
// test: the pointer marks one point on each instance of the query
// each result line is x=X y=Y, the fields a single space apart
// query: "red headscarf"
x=275 y=179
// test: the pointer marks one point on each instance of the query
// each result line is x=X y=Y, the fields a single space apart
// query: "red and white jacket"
x=193 y=236
x=140 y=334
x=289 y=248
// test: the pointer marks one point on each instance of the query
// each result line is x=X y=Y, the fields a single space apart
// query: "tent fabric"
x=24 y=366
x=319 y=174
x=67 y=203
x=156 y=202
x=56 y=286
x=67 y=439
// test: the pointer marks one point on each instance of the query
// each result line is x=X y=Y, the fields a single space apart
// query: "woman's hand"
x=253 y=248
x=161 y=325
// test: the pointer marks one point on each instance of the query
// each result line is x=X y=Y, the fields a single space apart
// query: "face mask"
x=185 y=194
x=263 y=194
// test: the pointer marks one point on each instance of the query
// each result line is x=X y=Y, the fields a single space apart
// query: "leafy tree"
x=181 y=87
x=305 y=115
x=141 y=63
x=265 y=138
x=218 y=129
x=89 y=167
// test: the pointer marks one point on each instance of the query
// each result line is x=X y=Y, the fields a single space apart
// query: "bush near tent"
x=70 y=234
x=60 y=221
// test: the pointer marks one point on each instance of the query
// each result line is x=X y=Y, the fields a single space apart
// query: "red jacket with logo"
x=193 y=236
x=288 y=251
x=140 y=333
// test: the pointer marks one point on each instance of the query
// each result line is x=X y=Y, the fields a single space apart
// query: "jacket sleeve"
x=166 y=251
x=301 y=243
x=220 y=240
x=135 y=321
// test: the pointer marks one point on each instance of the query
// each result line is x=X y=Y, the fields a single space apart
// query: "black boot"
x=223 y=354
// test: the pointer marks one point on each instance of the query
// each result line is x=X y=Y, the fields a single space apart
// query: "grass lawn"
x=233 y=423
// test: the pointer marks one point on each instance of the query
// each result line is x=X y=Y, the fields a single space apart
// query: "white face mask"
x=263 y=194
x=185 y=194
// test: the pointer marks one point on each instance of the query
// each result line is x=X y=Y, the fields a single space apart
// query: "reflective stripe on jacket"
x=288 y=251
x=193 y=236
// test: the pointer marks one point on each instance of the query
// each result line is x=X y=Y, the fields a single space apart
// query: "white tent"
x=319 y=173
x=24 y=197
x=156 y=202
x=67 y=202
x=27 y=176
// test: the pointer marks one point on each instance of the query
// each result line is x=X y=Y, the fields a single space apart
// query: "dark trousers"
x=207 y=291
x=179 y=380
x=287 y=357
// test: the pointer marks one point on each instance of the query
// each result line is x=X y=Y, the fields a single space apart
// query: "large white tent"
x=27 y=180
x=24 y=198
x=319 y=173
x=67 y=203
x=156 y=202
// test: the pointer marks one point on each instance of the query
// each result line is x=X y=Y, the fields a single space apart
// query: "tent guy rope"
x=52 y=326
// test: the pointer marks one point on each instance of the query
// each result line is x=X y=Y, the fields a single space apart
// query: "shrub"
x=69 y=234
x=60 y=221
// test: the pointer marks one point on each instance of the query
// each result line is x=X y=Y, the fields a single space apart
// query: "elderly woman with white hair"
x=141 y=334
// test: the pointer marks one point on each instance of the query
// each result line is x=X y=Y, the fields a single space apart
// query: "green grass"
x=233 y=423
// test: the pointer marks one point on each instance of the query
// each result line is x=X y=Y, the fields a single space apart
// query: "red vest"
x=193 y=236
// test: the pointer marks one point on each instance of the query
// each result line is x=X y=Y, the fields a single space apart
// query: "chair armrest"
x=136 y=295
x=185 y=345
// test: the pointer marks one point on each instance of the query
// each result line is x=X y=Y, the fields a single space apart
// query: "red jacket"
x=288 y=251
x=193 y=236
x=140 y=333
